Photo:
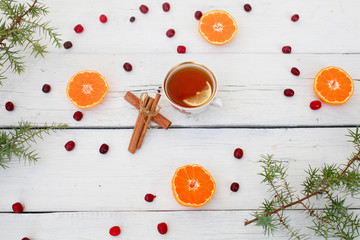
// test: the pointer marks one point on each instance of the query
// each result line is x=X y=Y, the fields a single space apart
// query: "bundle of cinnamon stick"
x=148 y=111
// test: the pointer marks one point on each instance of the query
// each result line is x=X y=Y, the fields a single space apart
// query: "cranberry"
x=234 y=187
x=17 y=207
x=247 y=7
x=104 y=148
x=198 y=15
x=149 y=197
x=170 y=33
x=238 y=153
x=295 y=18
x=78 y=115
x=25 y=238
x=166 y=7
x=315 y=105
x=115 y=231
x=46 y=88
x=144 y=9
x=295 y=71
x=162 y=228
x=132 y=19
x=289 y=92
x=181 y=49
x=9 y=106
x=69 y=145
x=103 y=18
x=127 y=66
x=79 y=28
x=68 y=45
x=286 y=49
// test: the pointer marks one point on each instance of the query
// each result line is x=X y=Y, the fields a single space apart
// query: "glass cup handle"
x=217 y=103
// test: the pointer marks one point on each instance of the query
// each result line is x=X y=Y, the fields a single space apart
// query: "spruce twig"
x=334 y=180
x=18 y=29
x=17 y=143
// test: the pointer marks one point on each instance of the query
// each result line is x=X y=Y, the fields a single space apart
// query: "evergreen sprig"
x=21 y=28
x=329 y=185
x=17 y=143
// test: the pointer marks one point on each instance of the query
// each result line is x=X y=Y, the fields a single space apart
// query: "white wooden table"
x=81 y=194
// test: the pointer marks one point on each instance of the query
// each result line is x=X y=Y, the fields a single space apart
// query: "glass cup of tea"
x=191 y=87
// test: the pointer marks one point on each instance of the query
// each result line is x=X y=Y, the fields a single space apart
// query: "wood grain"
x=85 y=180
x=250 y=85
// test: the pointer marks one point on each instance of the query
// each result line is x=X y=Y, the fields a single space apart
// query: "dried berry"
x=149 y=197
x=79 y=28
x=69 y=146
x=295 y=18
x=127 y=67
x=78 y=115
x=170 y=33
x=104 y=148
x=295 y=71
x=181 y=49
x=315 y=105
x=162 y=228
x=115 y=231
x=9 y=106
x=132 y=19
x=166 y=7
x=286 y=49
x=198 y=15
x=238 y=153
x=103 y=18
x=68 y=45
x=144 y=9
x=46 y=88
x=234 y=187
x=17 y=207
x=247 y=7
x=289 y=92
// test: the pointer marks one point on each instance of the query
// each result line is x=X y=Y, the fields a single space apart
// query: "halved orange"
x=193 y=186
x=87 y=89
x=217 y=27
x=333 y=85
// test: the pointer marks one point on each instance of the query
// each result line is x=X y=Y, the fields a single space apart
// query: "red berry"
x=166 y=7
x=17 y=207
x=149 y=197
x=78 y=115
x=198 y=15
x=144 y=9
x=25 y=238
x=104 y=148
x=295 y=17
x=68 y=45
x=247 y=7
x=115 y=231
x=9 y=106
x=181 y=49
x=315 y=105
x=132 y=19
x=162 y=228
x=79 y=28
x=46 y=88
x=103 y=18
x=69 y=145
x=295 y=71
x=127 y=66
x=286 y=49
x=289 y=92
x=234 y=187
x=238 y=153
x=170 y=33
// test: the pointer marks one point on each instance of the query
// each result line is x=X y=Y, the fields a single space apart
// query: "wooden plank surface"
x=250 y=85
x=194 y=225
x=85 y=180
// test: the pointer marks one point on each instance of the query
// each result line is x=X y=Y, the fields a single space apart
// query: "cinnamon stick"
x=139 y=125
x=148 y=120
x=158 y=119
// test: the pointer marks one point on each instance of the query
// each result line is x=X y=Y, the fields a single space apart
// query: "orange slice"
x=200 y=97
x=333 y=86
x=217 y=27
x=87 y=89
x=193 y=186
